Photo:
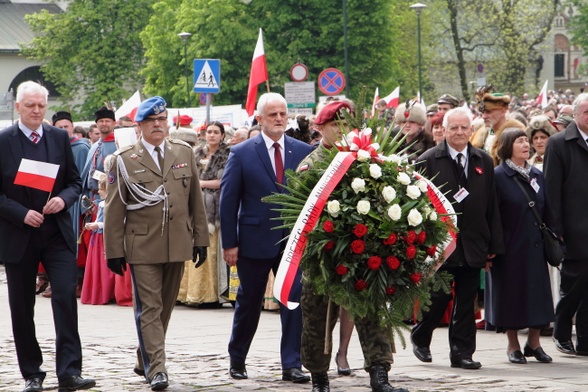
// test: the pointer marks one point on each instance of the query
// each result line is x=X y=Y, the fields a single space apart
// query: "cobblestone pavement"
x=198 y=360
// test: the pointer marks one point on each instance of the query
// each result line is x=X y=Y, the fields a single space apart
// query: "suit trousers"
x=253 y=276
x=317 y=313
x=47 y=245
x=574 y=301
x=462 y=328
x=155 y=290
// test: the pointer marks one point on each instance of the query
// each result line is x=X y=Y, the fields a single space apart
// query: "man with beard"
x=155 y=220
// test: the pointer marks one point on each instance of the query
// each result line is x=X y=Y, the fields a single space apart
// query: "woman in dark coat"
x=520 y=290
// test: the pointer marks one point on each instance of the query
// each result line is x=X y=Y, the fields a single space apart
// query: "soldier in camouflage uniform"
x=375 y=341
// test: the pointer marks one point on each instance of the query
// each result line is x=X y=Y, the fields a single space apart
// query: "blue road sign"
x=331 y=81
x=206 y=76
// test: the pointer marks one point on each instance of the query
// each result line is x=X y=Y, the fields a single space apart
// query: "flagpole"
x=267 y=85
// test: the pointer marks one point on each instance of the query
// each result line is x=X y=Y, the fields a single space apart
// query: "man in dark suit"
x=565 y=165
x=466 y=174
x=255 y=169
x=35 y=226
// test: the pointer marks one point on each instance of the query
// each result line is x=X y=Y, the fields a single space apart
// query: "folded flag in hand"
x=36 y=174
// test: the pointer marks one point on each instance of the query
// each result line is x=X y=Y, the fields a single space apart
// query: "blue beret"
x=149 y=107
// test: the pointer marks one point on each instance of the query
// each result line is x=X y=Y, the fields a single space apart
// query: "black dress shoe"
x=33 y=384
x=295 y=375
x=238 y=371
x=538 y=353
x=517 y=356
x=75 y=383
x=466 y=363
x=566 y=347
x=159 y=382
x=422 y=353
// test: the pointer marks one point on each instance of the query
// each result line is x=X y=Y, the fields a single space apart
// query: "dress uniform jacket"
x=137 y=235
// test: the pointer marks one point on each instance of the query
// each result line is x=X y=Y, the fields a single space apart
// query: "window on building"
x=559 y=66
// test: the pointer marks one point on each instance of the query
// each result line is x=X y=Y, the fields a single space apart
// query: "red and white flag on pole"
x=542 y=97
x=36 y=174
x=393 y=99
x=376 y=99
x=257 y=76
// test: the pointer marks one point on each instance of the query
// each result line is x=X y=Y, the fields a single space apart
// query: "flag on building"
x=257 y=76
x=36 y=174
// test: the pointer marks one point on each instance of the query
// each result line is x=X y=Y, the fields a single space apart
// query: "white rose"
x=358 y=185
x=422 y=186
x=389 y=193
x=403 y=178
x=433 y=216
x=363 y=155
x=333 y=208
x=414 y=217
x=413 y=192
x=427 y=210
x=394 y=158
x=375 y=170
x=363 y=207
x=395 y=212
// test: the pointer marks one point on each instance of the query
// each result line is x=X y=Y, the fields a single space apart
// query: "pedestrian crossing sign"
x=206 y=76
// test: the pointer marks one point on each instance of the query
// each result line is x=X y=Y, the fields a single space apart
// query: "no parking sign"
x=331 y=81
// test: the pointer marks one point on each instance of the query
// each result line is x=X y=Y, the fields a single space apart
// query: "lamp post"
x=184 y=36
x=418 y=8
x=345 y=54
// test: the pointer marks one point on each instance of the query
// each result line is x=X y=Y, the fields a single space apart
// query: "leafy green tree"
x=579 y=26
x=92 y=50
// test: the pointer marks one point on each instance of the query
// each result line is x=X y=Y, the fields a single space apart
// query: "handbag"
x=553 y=247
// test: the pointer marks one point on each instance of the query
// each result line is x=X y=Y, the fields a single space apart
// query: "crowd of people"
x=176 y=217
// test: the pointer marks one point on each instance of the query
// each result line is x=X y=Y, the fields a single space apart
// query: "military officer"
x=154 y=220
x=375 y=340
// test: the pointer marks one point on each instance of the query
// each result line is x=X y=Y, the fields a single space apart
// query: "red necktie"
x=279 y=163
x=35 y=137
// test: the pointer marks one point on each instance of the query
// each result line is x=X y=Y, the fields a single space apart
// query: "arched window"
x=34 y=73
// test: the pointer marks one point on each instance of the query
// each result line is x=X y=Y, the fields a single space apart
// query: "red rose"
x=410 y=237
x=421 y=237
x=411 y=252
x=392 y=262
x=431 y=250
x=391 y=240
x=357 y=247
x=415 y=277
x=360 y=230
x=341 y=269
x=390 y=290
x=329 y=245
x=361 y=285
x=328 y=226
x=374 y=262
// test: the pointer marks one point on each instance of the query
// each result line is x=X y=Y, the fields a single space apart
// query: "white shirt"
x=269 y=143
x=453 y=153
x=27 y=131
x=151 y=150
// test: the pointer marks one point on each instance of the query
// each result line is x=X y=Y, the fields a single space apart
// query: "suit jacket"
x=565 y=167
x=14 y=233
x=137 y=234
x=480 y=230
x=246 y=221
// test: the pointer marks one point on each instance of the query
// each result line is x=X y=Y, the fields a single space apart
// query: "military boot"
x=379 y=380
x=320 y=382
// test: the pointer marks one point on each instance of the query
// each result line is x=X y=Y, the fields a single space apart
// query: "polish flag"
x=36 y=174
x=128 y=106
x=376 y=99
x=542 y=97
x=257 y=76
x=393 y=99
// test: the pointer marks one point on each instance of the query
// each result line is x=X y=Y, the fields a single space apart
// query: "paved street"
x=198 y=360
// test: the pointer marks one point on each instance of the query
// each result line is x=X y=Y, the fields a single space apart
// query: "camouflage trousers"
x=318 y=316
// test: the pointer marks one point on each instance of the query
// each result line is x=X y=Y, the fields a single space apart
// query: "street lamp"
x=345 y=54
x=184 y=36
x=418 y=8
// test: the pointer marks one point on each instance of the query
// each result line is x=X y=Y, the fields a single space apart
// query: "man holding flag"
x=38 y=183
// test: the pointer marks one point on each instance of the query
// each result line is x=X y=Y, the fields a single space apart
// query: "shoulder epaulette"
x=122 y=149
x=178 y=141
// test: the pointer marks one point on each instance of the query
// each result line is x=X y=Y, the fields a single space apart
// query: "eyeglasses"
x=153 y=119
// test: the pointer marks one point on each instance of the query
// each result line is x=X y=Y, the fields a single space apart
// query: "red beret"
x=332 y=111
x=184 y=120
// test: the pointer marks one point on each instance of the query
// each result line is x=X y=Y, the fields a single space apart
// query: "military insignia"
x=179 y=166
x=134 y=156
x=139 y=171
x=141 y=151
x=111 y=178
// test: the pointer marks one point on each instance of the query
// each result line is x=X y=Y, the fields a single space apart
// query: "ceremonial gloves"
x=117 y=265
x=199 y=255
